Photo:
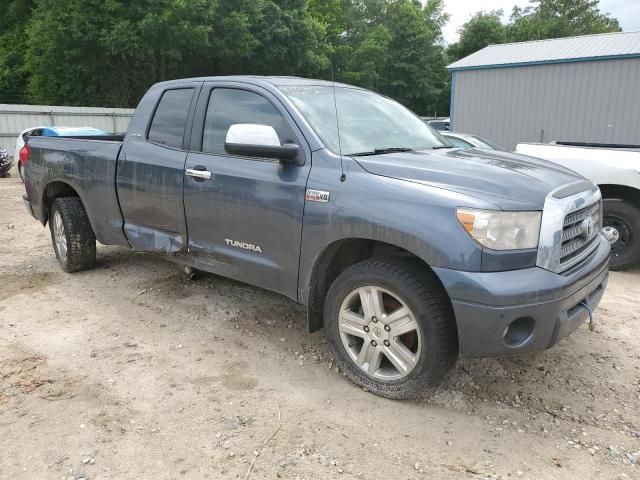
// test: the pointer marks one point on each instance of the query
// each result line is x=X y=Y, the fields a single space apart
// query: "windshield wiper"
x=382 y=151
x=438 y=147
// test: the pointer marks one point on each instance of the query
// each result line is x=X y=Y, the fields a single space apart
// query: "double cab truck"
x=408 y=252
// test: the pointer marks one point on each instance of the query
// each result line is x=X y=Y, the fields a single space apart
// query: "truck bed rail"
x=598 y=145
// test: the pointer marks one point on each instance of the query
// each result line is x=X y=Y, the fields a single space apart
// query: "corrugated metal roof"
x=557 y=50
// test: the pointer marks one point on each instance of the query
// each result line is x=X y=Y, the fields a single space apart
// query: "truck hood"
x=510 y=181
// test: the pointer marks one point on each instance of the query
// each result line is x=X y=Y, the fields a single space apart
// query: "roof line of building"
x=545 y=62
x=562 y=38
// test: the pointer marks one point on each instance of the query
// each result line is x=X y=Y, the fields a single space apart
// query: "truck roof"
x=262 y=80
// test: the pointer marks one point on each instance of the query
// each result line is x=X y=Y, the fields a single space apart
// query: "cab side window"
x=170 y=118
x=228 y=106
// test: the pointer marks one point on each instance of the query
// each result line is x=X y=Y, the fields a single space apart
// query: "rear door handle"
x=198 y=172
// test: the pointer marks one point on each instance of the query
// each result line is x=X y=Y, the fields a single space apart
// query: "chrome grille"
x=580 y=215
x=563 y=243
x=579 y=235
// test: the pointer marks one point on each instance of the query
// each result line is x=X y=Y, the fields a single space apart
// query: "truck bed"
x=86 y=164
x=603 y=165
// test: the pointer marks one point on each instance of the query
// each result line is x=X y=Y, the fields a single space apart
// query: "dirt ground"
x=131 y=371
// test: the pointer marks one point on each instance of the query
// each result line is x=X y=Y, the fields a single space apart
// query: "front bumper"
x=551 y=305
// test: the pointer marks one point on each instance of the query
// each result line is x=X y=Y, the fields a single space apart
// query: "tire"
x=74 y=242
x=625 y=218
x=432 y=346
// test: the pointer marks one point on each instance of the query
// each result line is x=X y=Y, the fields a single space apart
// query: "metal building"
x=580 y=89
x=16 y=118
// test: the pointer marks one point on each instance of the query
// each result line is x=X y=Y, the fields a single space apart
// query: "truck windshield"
x=368 y=123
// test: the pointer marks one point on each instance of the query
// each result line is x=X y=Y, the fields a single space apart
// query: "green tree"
x=367 y=62
x=395 y=47
x=559 y=18
x=112 y=55
x=151 y=41
x=290 y=40
x=108 y=52
x=484 y=28
x=63 y=51
x=14 y=77
x=415 y=70
x=336 y=19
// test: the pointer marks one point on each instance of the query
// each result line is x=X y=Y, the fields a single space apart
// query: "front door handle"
x=198 y=173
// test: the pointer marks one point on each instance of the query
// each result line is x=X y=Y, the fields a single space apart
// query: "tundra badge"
x=243 y=245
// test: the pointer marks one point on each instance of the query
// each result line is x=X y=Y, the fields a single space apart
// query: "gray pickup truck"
x=407 y=251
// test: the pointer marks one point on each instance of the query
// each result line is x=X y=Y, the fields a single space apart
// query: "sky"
x=626 y=11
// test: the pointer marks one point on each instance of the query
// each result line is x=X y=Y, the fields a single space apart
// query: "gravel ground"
x=132 y=371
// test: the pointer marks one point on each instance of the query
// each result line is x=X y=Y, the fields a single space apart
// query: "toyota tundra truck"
x=408 y=252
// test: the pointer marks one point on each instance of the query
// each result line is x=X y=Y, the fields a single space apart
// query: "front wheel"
x=391 y=327
x=73 y=239
x=625 y=218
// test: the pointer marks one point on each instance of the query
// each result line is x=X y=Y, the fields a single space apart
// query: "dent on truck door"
x=245 y=221
x=150 y=177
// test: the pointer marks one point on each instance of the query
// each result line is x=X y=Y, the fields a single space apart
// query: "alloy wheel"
x=59 y=236
x=379 y=332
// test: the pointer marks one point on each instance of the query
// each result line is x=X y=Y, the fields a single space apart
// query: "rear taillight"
x=24 y=154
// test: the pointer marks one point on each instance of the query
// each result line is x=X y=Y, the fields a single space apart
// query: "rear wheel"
x=73 y=239
x=391 y=327
x=625 y=218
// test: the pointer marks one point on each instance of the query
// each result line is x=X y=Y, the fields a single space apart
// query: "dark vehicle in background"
x=407 y=251
x=466 y=140
x=440 y=124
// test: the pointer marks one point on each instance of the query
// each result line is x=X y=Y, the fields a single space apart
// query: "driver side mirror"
x=251 y=140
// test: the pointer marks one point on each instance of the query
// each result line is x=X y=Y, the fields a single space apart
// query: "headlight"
x=502 y=230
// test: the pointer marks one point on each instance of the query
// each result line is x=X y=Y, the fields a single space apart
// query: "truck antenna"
x=343 y=177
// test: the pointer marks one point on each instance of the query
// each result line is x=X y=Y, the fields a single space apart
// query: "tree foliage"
x=108 y=52
x=541 y=20
x=13 y=74
x=394 y=47
x=559 y=18
x=483 y=29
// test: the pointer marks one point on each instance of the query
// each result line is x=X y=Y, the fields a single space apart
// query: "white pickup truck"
x=616 y=170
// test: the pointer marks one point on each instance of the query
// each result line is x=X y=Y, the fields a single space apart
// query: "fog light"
x=518 y=331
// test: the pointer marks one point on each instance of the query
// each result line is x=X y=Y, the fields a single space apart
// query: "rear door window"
x=170 y=118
